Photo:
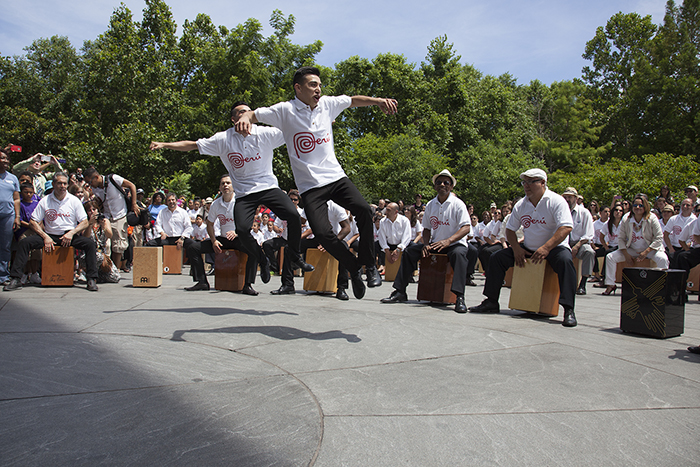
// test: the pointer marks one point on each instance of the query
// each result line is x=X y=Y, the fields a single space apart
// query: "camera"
x=100 y=217
x=45 y=158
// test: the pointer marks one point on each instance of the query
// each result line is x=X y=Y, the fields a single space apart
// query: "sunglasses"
x=637 y=205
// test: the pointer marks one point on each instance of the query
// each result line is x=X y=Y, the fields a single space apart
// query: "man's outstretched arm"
x=388 y=106
x=176 y=146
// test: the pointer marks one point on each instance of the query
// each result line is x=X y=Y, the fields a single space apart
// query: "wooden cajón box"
x=391 y=269
x=435 y=280
x=324 y=278
x=172 y=260
x=535 y=289
x=147 y=268
x=58 y=267
x=229 y=270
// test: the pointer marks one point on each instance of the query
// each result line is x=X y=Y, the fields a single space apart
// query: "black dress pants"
x=195 y=250
x=344 y=193
x=456 y=253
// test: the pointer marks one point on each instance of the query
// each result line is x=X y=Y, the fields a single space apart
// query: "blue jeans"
x=6 y=222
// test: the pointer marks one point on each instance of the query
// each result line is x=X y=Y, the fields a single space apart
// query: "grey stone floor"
x=163 y=376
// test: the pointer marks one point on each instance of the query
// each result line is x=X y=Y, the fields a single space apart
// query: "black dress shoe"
x=341 y=294
x=13 y=285
x=395 y=297
x=198 y=286
x=358 y=287
x=284 y=290
x=460 y=307
x=487 y=306
x=471 y=283
x=581 y=291
x=373 y=277
x=265 y=271
x=303 y=265
x=569 y=318
x=92 y=285
x=694 y=349
x=248 y=290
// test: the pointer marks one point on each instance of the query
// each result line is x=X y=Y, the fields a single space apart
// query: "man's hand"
x=388 y=106
x=243 y=125
x=216 y=245
x=540 y=254
x=136 y=209
x=16 y=224
x=49 y=244
x=642 y=256
x=520 y=254
x=179 y=243
x=156 y=145
x=231 y=235
x=426 y=251
x=394 y=255
x=66 y=239
x=574 y=251
x=163 y=236
x=320 y=247
x=439 y=246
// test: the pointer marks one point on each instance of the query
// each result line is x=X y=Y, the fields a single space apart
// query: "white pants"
x=614 y=257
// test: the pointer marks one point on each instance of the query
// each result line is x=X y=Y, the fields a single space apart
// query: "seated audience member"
x=173 y=226
x=63 y=219
x=665 y=193
x=580 y=237
x=199 y=229
x=222 y=211
x=394 y=233
x=378 y=251
x=594 y=209
x=687 y=260
x=546 y=220
x=640 y=237
x=418 y=205
x=666 y=215
x=257 y=233
x=99 y=230
x=691 y=192
x=490 y=235
x=445 y=231
x=156 y=205
x=675 y=226
x=27 y=205
x=77 y=191
x=598 y=226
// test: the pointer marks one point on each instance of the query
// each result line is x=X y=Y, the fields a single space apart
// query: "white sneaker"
x=24 y=278
x=34 y=278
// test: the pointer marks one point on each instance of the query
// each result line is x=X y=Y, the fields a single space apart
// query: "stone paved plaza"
x=132 y=376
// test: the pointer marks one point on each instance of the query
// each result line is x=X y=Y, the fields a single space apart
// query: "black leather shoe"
x=694 y=349
x=581 y=290
x=373 y=277
x=341 y=294
x=460 y=307
x=284 y=290
x=471 y=283
x=358 y=287
x=303 y=265
x=92 y=285
x=265 y=271
x=395 y=297
x=569 y=318
x=13 y=285
x=487 y=306
x=198 y=286
x=248 y=290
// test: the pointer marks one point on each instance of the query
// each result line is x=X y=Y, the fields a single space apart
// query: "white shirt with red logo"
x=309 y=137
x=248 y=160
x=694 y=230
x=223 y=211
x=59 y=216
x=540 y=222
x=444 y=220
x=675 y=226
x=638 y=243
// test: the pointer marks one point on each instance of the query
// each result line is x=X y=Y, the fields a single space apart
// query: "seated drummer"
x=546 y=220
x=446 y=224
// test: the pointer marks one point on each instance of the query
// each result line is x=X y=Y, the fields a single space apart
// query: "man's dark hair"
x=293 y=191
x=26 y=185
x=224 y=175
x=236 y=104
x=89 y=172
x=26 y=173
x=300 y=74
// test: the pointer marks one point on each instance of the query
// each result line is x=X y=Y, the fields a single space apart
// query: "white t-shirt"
x=638 y=242
x=540 y=222
x=223 y=212
x=598 y=226
x=115 y=205
x=248 y=160
x=336 y=215
x=258 y=236
x=611 y=238
x=59 y=216
x=280 y=224
x=416 y=230
x=309 y=137
x=267 y=233
x=444 y=220
x=174 y=224
x=675 y=226
x=200 y=232
x=695 y=230
x=395 y=233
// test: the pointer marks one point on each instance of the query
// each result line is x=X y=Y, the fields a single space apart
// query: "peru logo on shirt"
x=305 y=142
x=238 y=161
x=223 y=220
x=435 y=222
x=676 y=230
x=52 y=215
x=527 y=221
x=635 y=237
